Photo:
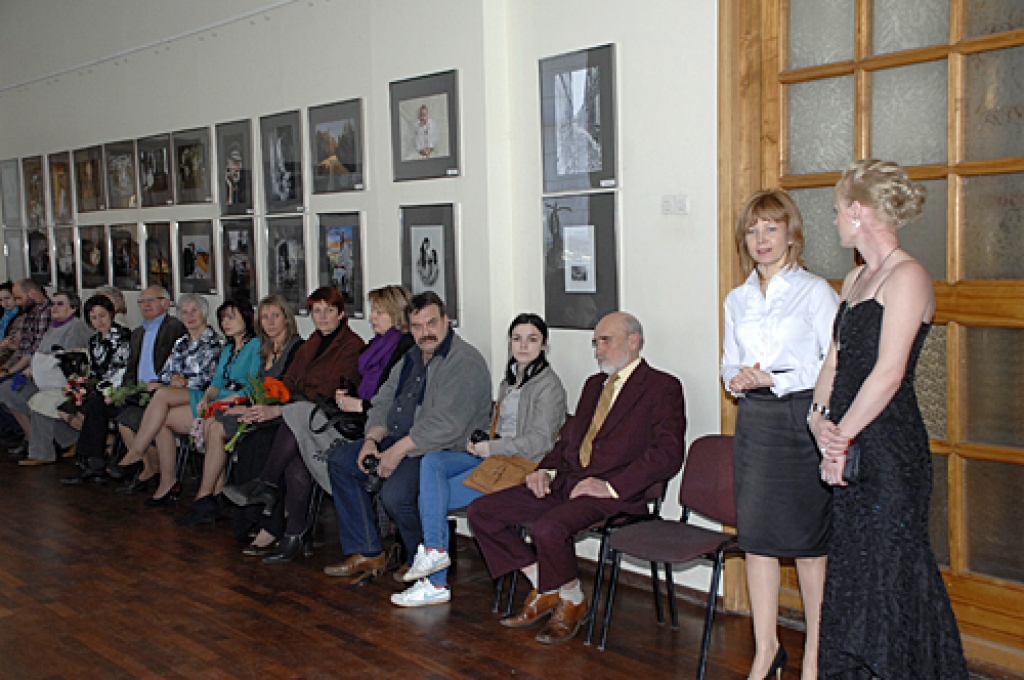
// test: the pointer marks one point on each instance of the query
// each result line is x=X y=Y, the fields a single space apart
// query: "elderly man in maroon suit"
x=626 y=436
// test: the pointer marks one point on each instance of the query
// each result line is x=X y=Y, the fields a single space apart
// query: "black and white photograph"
x=287 y=273
x=234 y=158
x=425 y=127
x=336 y=146
x=14 y=248
x=155 y=177
x=197 y=267
x=120 y=157
x=191 y=166
x=341 y=258
x=281 y=137
x=10 y=190
x=429 y=252
x=125 y=258
x=158 y=256
x=578 y=120
x=35 y=190
x=239 y=250
x=93 y=246
x=39 y=268
x=89 y=176
x=67 y=258
x=580 y=273
x=60 y=188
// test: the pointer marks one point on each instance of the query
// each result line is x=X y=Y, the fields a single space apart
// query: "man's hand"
x=539 y=482
x=389 y=460
x=369 y=449
x=591 y=486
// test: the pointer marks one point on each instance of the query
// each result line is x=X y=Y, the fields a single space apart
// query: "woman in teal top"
x=239 y=360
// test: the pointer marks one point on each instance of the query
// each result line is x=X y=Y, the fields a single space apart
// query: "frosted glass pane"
x=994 y=110
x=925 y=239
x=930 y=383
x=993 y=386
x=908 y=114
x=820 y=32
x=823 y=253
x=993 y=16
x=938 y=510
x=901 y=25
x=993 y=229
x=995 y=532
x=820 y=125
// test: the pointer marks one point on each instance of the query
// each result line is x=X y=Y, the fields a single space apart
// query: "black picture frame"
x=577 y=111
x=287 y=275
x=425 y=265
x=35 y=191
x=40 y=265
x=61 y=202
x=125 y=257
x=90 y=173
x=234 y=171
x=66 y=254
x=197 y=271
x=281 y=142
x=581 y=281
x=341 y=258
x=159 y=263
x=122 y=190
x=156 y=180
x=336 y=146
x=239 y=248
x=14 y=252
x=192 y=166
x=425 y=147
x=92 y=245
x=10 y=189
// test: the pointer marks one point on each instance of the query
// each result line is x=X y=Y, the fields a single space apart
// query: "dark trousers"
x=253 y=451
x=92 y=440
x=357 y=522
x=286 y=464
x=554 y=520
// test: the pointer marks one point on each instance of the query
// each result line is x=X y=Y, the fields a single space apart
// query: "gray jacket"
x=456 y=402
x=541 y=414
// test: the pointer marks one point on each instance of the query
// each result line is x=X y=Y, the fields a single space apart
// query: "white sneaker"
x=422 y=594
x=427 y=563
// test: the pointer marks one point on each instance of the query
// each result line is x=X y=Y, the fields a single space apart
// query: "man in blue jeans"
x=439 y=395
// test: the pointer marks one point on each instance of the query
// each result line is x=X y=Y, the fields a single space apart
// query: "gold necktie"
x=604 y=404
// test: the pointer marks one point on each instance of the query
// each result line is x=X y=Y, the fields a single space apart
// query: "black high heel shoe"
x=171 y=496
x=135 y=485
x=119 y=472
x=778 y=664
x=288 y=548
x=204 y=510
x=256 y=492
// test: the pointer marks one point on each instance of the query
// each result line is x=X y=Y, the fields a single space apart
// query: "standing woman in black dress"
x=777 y=327
x=886 y=613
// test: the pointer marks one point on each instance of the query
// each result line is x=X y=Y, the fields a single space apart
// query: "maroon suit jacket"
x=310 y=375
x=640 y=443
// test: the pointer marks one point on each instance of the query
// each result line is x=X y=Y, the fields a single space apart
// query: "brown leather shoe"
x=356 y=565
x=34 y=462
x=564 y=623
x=536 y=607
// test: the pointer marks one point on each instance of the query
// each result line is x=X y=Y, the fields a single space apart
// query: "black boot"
x=204 y=510
x=287 y=549
x=256 y=492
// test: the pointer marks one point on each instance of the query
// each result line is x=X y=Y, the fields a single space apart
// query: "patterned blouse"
x=197 y=360
x=108 y=356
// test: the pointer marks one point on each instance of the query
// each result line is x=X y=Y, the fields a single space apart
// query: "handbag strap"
x=320 y=405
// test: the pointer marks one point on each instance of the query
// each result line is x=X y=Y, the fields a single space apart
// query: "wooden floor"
x=93 y=585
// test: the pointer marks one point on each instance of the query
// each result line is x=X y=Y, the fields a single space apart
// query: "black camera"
x=373 y=481
x=479 y=436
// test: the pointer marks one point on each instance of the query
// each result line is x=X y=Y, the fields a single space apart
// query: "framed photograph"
x=10 y=189
x=60 y=188
x=425 y=127
x=198 y=271
x=234 y=153
x=155 y=187
x=121 y=191
x=577 y=112
x=124 y=255
x=336 y=146
x=580 y=271
x=239 y=260
x=35 y=190
x=14 y=251
x=93 y=244
x=39 y=266
x=287 y=273
x=67 y=259
x=89 y=174
x=341 y=259
x=191 y=162
x=428 y=253
x=158 y=256
x=281 y=136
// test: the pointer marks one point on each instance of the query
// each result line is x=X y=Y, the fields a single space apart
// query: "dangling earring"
x=856 y=223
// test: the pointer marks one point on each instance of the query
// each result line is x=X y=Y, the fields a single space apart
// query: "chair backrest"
x=707 y=484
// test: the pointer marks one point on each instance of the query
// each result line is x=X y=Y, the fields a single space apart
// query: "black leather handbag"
x=349 y=425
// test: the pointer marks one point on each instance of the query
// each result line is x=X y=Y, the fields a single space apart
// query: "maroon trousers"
x=554 y=520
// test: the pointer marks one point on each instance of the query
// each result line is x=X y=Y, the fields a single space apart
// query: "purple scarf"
x=374 y=360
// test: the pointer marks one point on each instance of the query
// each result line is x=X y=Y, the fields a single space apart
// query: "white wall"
x=317 y=51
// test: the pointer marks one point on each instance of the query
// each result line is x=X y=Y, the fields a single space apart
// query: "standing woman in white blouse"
x=777 y=330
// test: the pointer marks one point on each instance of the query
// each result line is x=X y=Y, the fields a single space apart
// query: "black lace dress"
x=886 y=613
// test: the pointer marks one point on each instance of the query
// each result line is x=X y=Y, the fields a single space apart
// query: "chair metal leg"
x=316 y=502
x=616 y=564
x=511 y=593
x=709 y=617
x=499 y=587
x=453 y=544
x=595 y=598
x=656 y=589
x=671 y=595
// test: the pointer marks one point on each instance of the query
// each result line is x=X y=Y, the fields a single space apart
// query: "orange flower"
x=276 y=390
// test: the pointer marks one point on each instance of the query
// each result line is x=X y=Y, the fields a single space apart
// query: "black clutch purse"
x=851 y=471
x=349 y=425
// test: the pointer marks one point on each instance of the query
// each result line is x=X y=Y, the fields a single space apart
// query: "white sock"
x=530 y=573
x=573 y=593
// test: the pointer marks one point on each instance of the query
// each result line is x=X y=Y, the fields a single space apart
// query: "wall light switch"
x=668 y=205
x=682 y=205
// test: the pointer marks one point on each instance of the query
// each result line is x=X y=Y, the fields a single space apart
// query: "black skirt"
x=783 y=509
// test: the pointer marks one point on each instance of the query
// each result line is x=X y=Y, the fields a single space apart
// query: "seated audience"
x=10 y=430
x=35 y=321
x=626 y=436
x=8 y=305
x=120 y=306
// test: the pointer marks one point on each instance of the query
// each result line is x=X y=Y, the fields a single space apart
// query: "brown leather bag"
x=499 y=472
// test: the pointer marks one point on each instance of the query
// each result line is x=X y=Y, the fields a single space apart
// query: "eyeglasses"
x=146 y=301
x=58 y=303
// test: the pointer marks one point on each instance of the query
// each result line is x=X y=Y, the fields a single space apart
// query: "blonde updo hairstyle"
x=778 y=206
x=393 y=301
x=884 y=187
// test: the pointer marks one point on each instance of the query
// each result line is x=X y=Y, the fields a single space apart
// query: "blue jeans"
x=441 y=490
x=357 y=522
